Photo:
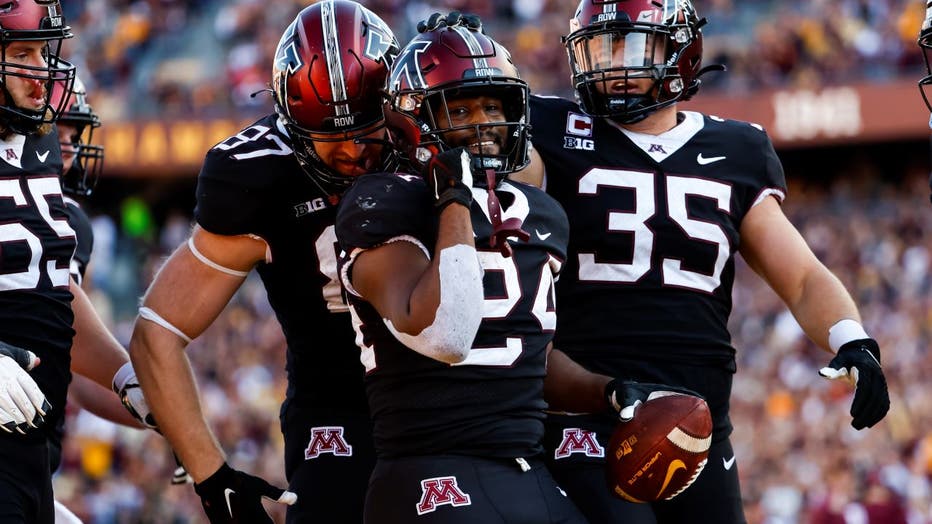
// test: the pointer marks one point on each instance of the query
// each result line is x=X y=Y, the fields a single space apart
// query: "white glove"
x=22 y=404
x=126 y=385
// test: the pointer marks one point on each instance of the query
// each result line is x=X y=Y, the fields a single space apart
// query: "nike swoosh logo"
x=706 y=161
x=674 y=466
x=226 y=494
x=42 y=156
x=728 y=463
x=542 y=236
x=864 y=349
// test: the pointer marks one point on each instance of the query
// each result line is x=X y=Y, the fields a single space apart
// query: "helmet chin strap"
x=14 y=121
x=634 y=104
x=501 y=230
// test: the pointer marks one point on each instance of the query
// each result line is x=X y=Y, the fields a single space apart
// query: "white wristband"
x=845 y=331
x=123 y=375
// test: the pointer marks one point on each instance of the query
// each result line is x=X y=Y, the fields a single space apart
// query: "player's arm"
x=100 y=401
x=535 y=171
x=432 y=304
x=97 y=356
x=777 y=252
x=421 y=296
x=570 y=387
x=188 y=293
x=95 y=353
x=774 y=248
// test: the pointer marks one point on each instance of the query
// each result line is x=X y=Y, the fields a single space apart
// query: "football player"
x=81 y=163
x=925 y=44
x=455 y=336
x=660 y=201
x=266 y=200
x=44 y=315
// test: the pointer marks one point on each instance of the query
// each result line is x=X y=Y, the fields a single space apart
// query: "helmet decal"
x=379 y=39
x=288 y=58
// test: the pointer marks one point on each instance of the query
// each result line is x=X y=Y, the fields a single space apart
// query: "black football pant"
x=328 y=460
x=25 y=483
x=456 y=489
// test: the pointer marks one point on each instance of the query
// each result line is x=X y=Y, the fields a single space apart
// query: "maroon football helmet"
x=925 y=43
x=88 y=157
x=328 y=79
x=458 y=61
x=32 y=20
x=613 y=41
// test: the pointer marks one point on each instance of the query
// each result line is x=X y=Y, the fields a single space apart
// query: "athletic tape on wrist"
x=450 y=336
x=210 y=263
x=845 y=331
x=122 y=376
x=152 y=316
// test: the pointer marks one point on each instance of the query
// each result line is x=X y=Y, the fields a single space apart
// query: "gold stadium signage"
x=850 y=114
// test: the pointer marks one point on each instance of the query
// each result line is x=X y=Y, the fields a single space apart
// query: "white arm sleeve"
x=449 y=338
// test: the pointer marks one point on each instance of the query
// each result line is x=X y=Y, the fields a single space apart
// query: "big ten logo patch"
x=441 y=491
x=327 y=440
x=576 y=440
x=581 y=144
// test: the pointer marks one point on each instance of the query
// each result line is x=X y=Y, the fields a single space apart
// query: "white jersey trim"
x=672 y=140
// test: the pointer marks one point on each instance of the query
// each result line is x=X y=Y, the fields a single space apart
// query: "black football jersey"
x=251 y=184
x=491 y=404
x=36 y=246
x=655 y=226
x=81 y=224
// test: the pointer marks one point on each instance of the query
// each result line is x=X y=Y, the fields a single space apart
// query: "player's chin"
x=485 y=149
x=351 y=170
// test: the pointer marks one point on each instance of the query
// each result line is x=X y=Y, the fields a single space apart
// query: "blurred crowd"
x=143 y=58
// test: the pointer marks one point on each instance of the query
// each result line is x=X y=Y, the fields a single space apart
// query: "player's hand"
x=449 y=176
x=859 y=360
x=22 y=404
x=624 y=396
x=231 y=496
x=126 y=385
x=436 y=20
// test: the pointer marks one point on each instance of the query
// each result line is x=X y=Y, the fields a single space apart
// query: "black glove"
x=436 y=20
x=449 y=176
x=860 y=360
x=624 y=396
x=231 y=496
x=23 y=406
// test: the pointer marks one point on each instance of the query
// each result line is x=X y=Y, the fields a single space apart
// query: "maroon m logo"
x=577 y=440
x=439 y=491
x=10 y=154
x=327 y=440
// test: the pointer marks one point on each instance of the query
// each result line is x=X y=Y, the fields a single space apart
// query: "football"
x=662 y=450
